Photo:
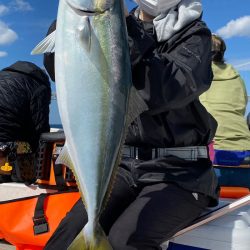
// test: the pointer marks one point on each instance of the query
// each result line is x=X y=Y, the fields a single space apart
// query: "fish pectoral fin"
x=47 y=45
x=136 y=105
x=64 y=158
x=84 y=33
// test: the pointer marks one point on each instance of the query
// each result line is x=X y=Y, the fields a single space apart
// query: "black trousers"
x=137 y=217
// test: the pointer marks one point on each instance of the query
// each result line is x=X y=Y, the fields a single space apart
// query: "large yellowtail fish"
x=96 y=100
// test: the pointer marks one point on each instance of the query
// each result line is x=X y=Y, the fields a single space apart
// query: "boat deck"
x=6 y=246
x=222 y=228
x=228 y=230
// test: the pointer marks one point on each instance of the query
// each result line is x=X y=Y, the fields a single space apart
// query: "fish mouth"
x=85 y=12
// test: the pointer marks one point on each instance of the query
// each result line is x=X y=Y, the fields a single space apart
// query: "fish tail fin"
x=88 y=239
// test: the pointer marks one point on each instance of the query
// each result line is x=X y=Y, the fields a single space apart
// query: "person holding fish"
x=165 y=179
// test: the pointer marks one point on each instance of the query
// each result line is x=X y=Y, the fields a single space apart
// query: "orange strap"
x=234 y=192
x=16 y=224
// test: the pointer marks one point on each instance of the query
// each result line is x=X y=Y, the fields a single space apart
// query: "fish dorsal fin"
x=64 y=158
x=136 y=105
x=47 y=45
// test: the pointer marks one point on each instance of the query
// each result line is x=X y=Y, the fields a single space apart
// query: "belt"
x=192 y=153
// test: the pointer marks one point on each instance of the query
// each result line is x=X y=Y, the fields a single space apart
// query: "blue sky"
x=24 y=23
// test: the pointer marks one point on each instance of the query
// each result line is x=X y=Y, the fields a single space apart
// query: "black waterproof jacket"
x=25 y=95
x=170 y=76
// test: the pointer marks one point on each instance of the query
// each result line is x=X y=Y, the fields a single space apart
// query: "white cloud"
x=237 y=27
x=241 y=64
x=7 y=35
x=3 y=53
x=3 y=9
x=21 y=5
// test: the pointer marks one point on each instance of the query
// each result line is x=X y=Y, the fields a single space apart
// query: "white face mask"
x=155 y=7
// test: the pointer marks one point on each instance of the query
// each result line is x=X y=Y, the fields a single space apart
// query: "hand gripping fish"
x=96 y=100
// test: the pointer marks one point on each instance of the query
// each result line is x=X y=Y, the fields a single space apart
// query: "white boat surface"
x=228 y=230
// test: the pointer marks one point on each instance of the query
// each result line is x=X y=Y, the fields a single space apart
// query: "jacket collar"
x=29 y=69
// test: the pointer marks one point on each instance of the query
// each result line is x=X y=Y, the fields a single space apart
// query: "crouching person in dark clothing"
x=25 y=95
x=165 y=179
